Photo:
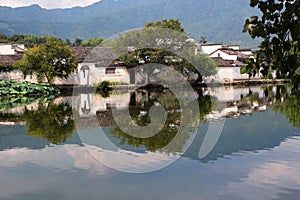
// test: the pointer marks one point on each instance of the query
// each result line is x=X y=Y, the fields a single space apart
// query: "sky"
x=47 y=4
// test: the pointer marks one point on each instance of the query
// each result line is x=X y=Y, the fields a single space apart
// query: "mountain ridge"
x=218 y=20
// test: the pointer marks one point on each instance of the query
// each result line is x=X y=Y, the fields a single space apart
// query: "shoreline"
x=69 y=89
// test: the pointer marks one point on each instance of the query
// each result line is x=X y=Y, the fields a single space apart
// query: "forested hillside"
x=218 y=20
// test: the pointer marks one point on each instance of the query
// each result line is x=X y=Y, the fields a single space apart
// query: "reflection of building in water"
x=245 y=134
x=234 y=102
x=91 y=103
x=91 y=106
x=231 y=102
x=232 y=94
x=94 y=110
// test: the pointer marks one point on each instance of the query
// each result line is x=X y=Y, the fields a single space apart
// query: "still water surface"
x=255 y=156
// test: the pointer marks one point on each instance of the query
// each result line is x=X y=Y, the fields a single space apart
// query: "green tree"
x=93 y=42
x=279 y=27
x=172 y=24
x=3 y=38
x=48 y=61
x=17 y=37
x=163 y=42
x=29 y=40
x=77 y=42
x=203 y=40
x=68 y=42
x=50 y=121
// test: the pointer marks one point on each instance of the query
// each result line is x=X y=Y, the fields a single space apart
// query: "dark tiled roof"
x=239 y=63
x=94 y=54
x=229 y=51
x=109 y=63
x=19 y=50
x=230 y=45
x=211 y=44
x=9 y=60
x=227 y=63
x=245 y=49
x=223 y=63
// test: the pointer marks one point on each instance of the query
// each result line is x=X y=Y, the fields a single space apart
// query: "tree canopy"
x=92 y=42
x=32 y=40
x=163 y=42
x=53 y=59
x=28 y=40
x=172 y=24
x=279 y=27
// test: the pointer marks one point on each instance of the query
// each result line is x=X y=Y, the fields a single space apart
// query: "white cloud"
x=48 y=4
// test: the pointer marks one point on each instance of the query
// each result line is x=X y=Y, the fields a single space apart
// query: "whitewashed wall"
x=6 y=49
x=234 y=47
x=223 y=55
x=227 y=74
x=208 y=49
x=17 y=75
x=96 y=75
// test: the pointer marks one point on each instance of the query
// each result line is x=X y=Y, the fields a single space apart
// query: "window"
x=110 y=106
x=110 y=70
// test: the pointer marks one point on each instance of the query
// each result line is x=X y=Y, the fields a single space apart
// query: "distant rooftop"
x=230 y=51
x=9 y=60
x=227 y=63
x=211 y=44
x=94 y=54
x=230 y=45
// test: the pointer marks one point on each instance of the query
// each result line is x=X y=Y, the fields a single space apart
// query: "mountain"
x=218 y=20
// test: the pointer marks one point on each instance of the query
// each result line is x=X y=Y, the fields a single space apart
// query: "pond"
x=212 y=143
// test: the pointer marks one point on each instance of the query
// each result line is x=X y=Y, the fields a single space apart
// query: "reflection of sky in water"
x=264 y=165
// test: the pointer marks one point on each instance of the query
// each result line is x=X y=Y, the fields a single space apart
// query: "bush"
x=14 y=94
x=13 y=88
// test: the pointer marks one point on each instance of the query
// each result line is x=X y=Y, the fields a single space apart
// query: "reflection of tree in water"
x=50 y=121
x=170 y=139
x=206 y=104
x=291 y=108
x=282 y=102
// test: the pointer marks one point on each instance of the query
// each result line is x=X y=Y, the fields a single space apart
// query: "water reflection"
x=54 y=121
x=51 y=121
x=246 y=128
x=139 y=110
x=256 y=155
x=290 y=108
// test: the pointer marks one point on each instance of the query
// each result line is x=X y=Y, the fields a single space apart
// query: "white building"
x=11 y=49
x=229 y=59
x=228 y=71
x=100 y=64
x=210 y=47
x=229 y=54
